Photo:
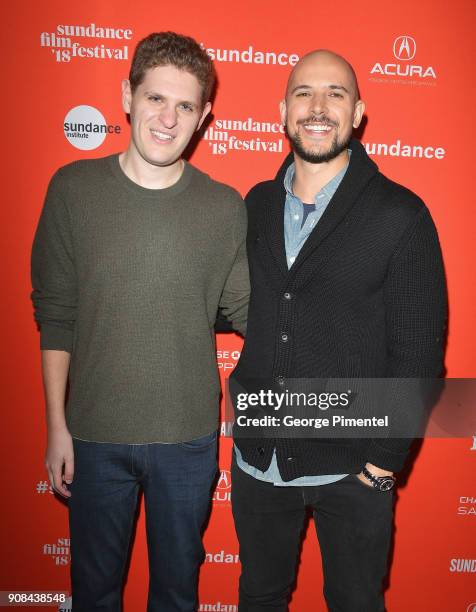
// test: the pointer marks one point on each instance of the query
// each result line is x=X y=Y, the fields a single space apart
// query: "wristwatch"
x=381 y=483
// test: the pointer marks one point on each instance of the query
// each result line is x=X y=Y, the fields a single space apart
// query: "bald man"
x=347 y=282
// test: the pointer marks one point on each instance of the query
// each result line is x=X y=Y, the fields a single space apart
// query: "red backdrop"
x=414 y=65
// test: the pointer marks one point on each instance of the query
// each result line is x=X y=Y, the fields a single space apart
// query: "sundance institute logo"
x=85 y=127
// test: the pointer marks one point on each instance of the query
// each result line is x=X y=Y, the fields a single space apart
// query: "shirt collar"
x=329 y=188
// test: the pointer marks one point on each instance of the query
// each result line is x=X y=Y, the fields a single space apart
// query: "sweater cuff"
x=384 y=458
x=240 y=328
x=54 y=338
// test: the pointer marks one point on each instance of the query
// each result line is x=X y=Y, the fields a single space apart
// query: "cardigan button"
x=261 y=450
x=284 y=337
x=291 y=459
x=280 y=380
x=288 y=296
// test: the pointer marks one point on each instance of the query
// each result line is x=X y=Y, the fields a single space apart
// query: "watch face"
x=386 y=484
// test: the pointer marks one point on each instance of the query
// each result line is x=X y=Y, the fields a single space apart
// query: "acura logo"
x=404 y=48
x=224 y=482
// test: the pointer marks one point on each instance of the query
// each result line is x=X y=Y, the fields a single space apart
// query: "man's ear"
x=359 y=109
x=283 y=111
x=126 y=96
x=206 y=109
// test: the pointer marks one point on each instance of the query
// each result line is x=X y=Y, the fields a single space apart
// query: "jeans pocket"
x=200 y=443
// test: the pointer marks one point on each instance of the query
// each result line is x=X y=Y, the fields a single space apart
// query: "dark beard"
x=317 y=158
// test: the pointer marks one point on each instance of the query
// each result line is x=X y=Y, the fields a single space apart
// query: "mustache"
x=322 y=119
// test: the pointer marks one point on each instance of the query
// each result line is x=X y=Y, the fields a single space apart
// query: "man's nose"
x=319 y=103
x=168 y=116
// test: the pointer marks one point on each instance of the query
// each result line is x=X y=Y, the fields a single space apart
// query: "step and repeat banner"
x=62 y=66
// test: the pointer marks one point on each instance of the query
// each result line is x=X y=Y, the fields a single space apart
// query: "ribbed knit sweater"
x=365 y=298
x=129 y=280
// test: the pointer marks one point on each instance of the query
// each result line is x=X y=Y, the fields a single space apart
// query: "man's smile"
x=161 y=136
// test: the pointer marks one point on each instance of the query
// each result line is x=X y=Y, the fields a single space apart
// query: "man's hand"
x=60 y=460
x=59 y=451
x=375 y=471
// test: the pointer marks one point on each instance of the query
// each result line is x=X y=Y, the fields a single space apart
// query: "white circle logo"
x=404 y=48
x=471 y=607
x=85 y=127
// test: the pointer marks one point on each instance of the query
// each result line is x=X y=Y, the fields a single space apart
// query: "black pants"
x=353 y=523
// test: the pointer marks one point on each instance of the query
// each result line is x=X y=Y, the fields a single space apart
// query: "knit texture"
x=129 y=280
x=366 y=297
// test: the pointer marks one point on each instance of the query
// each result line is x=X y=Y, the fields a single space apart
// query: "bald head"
x=330 y=62
x=322 y=107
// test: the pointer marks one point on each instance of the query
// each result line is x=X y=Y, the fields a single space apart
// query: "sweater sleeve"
x=53 y=271
x=236 y=292
x=416 y=314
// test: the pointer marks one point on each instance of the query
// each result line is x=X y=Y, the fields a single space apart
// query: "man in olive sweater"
x=133 y=256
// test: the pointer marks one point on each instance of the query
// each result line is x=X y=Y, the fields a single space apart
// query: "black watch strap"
x=381 y=483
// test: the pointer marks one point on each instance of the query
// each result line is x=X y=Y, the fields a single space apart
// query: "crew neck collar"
x=166 y=192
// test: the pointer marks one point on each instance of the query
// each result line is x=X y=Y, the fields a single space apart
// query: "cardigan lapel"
x=359 y=173
x=361 y=170
x=272 y=225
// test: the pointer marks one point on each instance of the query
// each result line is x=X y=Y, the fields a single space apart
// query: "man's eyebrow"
x=294 y=89
x=339 y=87
x=155 y=93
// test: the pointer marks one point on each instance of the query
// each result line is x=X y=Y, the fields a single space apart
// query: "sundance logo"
x=399 y=149
x=404 y=50
x=247 y=135
x=85 y=127
x=222 y=494
x=250 y=55
x=466 y=566
x=60 y=42
x=221 y=557
x=217 y=607
x=59 y=551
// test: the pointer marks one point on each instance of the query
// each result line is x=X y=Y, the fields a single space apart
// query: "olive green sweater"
x=129 y=280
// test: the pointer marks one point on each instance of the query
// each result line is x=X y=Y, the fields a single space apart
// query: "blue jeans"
x=176 y=480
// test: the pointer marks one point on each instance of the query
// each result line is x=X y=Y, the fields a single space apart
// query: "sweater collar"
x=360 y=172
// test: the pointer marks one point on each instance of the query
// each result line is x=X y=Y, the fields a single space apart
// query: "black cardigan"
x=366 y=297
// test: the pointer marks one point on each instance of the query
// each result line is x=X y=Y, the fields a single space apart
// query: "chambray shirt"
x=297 y=227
